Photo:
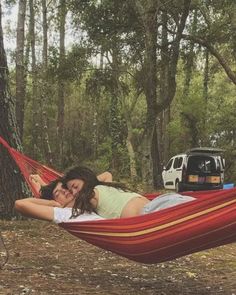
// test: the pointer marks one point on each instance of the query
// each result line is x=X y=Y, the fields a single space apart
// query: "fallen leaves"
x=46 y=260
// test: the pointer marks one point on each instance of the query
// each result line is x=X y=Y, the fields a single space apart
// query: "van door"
x=177 y=170
x=167 y=175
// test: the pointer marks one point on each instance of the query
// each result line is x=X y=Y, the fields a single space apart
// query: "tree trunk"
x=166 y=140
x=61 y=83
x=173 y=57
x=157 y=178
x=45 y=34
x=148 y=12
x=10 y=179
x=46 y=143
x=190 y=60
x=115 y=122
x=205 y=96
x=129 y=145
x=20 y=67
x=35 y=103
x=164 y=115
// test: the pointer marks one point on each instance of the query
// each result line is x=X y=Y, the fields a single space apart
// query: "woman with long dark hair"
x=111 y=199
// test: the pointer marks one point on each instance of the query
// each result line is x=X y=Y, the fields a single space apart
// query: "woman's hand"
x=105 y=177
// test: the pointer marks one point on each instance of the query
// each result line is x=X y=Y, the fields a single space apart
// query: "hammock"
x=207 y=222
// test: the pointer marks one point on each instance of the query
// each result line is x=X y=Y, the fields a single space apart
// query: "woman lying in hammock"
x=110 y=199
x=55 y=203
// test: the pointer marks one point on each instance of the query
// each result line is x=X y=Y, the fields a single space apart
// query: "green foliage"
x=104 y=102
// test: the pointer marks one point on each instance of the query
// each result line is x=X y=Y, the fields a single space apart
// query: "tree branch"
x=215 y=53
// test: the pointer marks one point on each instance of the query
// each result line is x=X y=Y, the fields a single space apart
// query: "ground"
x=44 y=260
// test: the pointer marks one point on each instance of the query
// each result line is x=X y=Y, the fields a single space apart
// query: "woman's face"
x=75 y=185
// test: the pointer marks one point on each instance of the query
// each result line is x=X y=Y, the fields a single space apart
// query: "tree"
x=148 y=11
x=35 y=100
x=61 y=83
x=20 y=67
x=44 y=127
x=10 y=179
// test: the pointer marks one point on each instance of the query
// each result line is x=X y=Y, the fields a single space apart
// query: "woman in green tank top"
x=108 y=199
x=111 y=199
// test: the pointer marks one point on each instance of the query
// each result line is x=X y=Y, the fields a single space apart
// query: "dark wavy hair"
x=83 y=198
x=46 y=191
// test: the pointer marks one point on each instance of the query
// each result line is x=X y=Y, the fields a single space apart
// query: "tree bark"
x=45 y=34
x=115 y=122
x=189 y=61
x=35 y=103
x=10 y=180
x=205 y=96
x=128 y=110
x=169 y=94
x=61 y=83
x=165 y=115
x=20 y=67
x=148 y=13
x=46 y=143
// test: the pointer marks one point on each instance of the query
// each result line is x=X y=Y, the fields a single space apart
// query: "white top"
x=64 y=214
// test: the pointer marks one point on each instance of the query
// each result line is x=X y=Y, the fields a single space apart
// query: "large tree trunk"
x=148 y=12
x=10 y=179
x=44 y=96
x=173 y=57
x=35 y=103
x=164 y=117
x=189 y=64
x=169 y=61
x=61 y=83
x=20 y=67
x=45 y=34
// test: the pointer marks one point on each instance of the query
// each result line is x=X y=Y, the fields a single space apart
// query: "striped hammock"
x=207 y=222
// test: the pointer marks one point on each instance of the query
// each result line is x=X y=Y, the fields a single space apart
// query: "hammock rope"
x=207 y=222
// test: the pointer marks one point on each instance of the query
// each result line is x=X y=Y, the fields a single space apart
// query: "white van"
x=197 y=169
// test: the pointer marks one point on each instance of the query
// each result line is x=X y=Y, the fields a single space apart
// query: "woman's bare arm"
x=105 y=177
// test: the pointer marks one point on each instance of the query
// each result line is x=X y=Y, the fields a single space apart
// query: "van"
x=197 y=169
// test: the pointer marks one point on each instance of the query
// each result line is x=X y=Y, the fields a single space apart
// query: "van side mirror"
x=164 y=168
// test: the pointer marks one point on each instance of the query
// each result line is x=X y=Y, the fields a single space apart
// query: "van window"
x=178 y=162
x=169 y=164
x=201 y=164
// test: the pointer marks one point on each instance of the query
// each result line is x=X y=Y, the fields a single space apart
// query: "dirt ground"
x=44 y=260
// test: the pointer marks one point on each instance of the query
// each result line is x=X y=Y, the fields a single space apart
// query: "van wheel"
x=177 y=186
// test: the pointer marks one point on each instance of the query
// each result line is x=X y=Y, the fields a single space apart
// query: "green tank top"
x=111 y=201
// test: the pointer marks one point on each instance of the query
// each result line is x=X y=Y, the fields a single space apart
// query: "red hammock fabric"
x=207 y=222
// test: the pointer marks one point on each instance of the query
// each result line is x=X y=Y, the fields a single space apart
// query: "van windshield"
x=201 y=164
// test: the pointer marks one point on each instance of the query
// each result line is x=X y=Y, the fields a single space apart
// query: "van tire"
x=178 y=188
